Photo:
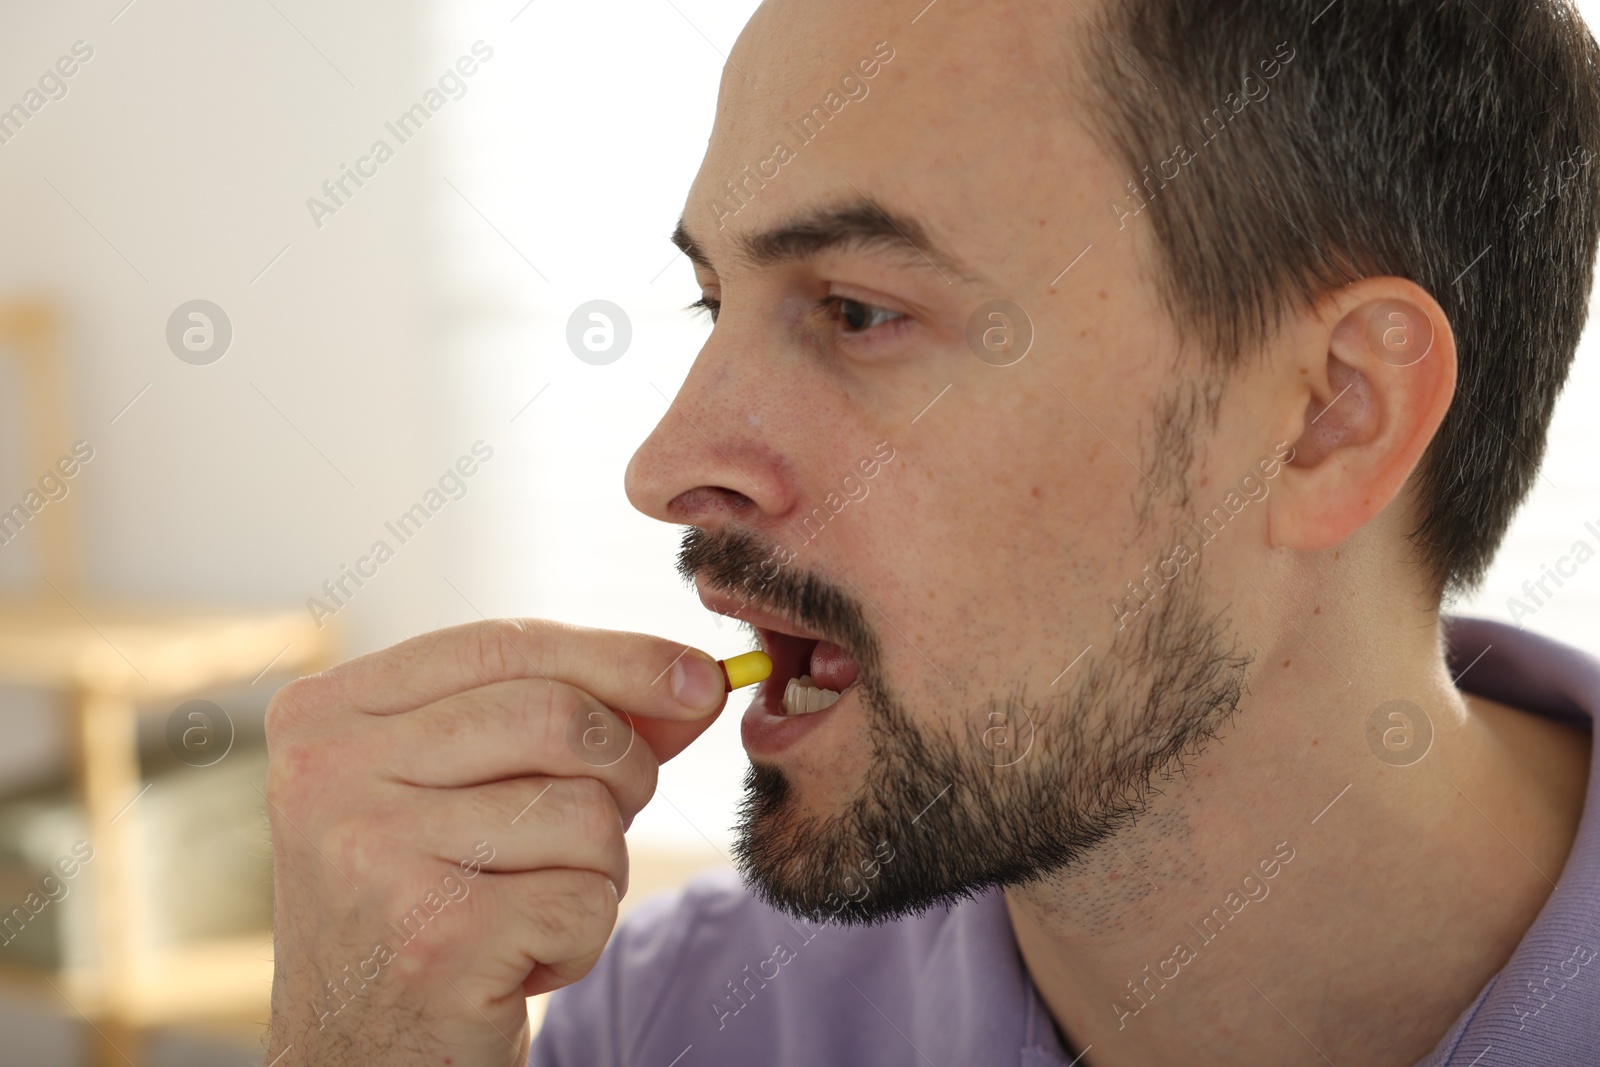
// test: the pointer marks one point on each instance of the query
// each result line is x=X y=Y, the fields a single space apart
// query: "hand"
x=447 y=823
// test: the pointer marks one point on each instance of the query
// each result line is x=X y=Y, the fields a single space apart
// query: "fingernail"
x=697 y=682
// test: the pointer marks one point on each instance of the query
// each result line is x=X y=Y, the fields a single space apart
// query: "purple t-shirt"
x=711 y=976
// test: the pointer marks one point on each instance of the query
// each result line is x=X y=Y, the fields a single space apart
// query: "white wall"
x=190 y=142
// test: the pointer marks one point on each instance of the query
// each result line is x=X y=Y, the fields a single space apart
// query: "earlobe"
x=1373 y=385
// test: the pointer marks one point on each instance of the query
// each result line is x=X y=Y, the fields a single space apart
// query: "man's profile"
x=1103 y=399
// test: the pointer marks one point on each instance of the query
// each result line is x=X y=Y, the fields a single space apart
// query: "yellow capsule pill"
x=747 y=668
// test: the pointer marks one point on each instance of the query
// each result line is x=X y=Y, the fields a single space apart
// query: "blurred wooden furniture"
x=107 y=661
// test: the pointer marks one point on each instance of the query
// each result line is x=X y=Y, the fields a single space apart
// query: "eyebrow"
x=860 y=225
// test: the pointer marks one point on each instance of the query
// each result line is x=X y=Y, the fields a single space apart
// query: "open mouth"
x=814 y=673
x=809 y=673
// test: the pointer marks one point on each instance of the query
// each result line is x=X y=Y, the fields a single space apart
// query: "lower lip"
x=766 y=731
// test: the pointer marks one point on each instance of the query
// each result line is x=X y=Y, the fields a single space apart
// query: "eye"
x=857 y=316
x=707 y=304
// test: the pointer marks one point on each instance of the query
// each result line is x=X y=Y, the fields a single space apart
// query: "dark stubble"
x=954 y=814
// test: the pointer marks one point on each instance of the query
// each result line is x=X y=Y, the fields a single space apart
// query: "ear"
x=1374 y=371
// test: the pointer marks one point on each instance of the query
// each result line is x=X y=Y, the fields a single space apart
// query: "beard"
x=950 y=809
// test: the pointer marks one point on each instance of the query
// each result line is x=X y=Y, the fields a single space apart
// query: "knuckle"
x=589 y=813
x=294 y=769
x=630 y=658
x=306 y=806
x=573 y=970
x=642 y=657
x=549 y=707
x=582 y=908
x=556 y=703
x=360 y=846
x=619 y=866
x=289 y=708
x=596 y=898
x=497 y=648
x=312 y=785
x=638 y=782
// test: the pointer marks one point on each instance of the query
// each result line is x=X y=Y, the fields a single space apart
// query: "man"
x=1101 y=399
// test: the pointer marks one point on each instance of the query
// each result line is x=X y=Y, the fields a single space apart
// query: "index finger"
x=632 y=672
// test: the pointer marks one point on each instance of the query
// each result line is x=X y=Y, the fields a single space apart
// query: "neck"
x=1292 y=885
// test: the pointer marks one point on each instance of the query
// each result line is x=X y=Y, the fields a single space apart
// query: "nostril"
x=696 y=506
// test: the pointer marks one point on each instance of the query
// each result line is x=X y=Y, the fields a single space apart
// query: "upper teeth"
x=802 y=696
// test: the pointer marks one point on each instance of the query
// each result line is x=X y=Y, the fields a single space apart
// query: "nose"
x=707 y=462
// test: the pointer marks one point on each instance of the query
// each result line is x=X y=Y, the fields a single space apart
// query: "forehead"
x=969 y=120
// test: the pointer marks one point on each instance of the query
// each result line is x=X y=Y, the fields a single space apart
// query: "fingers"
x=554 y=923
x=529 y=824
x=518 y=729
x=567 y=925
x=531 y=726
x=637 y=673
x=464 y=796
x=499 y=935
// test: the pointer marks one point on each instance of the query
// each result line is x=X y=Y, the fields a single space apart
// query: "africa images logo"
x=452 y=85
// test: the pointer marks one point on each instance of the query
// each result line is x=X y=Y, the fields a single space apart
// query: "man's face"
x=959 y=533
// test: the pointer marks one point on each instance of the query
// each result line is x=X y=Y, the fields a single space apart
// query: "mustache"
x=739 y=563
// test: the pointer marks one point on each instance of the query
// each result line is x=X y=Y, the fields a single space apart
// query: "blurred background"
x=252 y=374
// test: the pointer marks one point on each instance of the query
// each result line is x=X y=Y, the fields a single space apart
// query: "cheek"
x=998 y=548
